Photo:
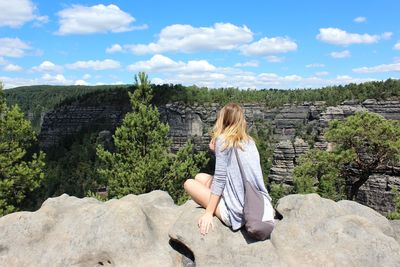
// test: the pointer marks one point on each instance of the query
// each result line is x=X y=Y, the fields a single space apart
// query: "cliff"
x=150 y=230
x=308 y=120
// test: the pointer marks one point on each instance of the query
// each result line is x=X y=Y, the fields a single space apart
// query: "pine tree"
x=20 y=172
x=362 y=143
x=141 y=161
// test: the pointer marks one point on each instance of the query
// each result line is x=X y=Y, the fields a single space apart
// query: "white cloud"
x=47 y=66
x=160 y=63
x=315 y=65
x=251 y=63
x=106 y=64
x=360 y=19
x=321 y=73
x=275 y=59
x=56 y=79
x=86 y=77
x=12 y=68
x=80 y=82
x=15 y=13
x=186 y=38
x=386 y=35
x=267 y=46
x=167 y=70
x=379 y=68
x=12 y=47
x=396 y=59
x=341 y=54
x=340 y=37
x=397 y=46
x=80 y=19
x=114 y=48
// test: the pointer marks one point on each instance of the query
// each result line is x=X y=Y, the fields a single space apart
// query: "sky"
x=243 y=44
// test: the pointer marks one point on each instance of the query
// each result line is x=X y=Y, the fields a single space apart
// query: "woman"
x=223 y=194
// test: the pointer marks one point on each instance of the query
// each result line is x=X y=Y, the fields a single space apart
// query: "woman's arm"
x=206 y=221
x=217 y=187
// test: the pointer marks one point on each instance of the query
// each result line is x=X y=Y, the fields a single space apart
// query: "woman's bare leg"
x=200 y=193
x=204 y=178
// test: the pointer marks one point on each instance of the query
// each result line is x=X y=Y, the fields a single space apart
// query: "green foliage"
x=141 y=143
x=320 y=172
x=395 y=215
x=361 y=143
x=141 y=161
x=261 y=132
x=278 y=191
x=369 y=140
x=72 y=168
x=36 y=100
x=184 y=165
x=97 y=195
x=20 y=170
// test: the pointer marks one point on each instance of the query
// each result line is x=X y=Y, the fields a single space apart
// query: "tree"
x=361 y=143
x=21 y=172
x=184 y=165
x=141 y=161
x=369 y=140
x=319 y=172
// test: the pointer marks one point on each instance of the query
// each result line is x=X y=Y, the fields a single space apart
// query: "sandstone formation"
x=149 y=230
x=195 y=121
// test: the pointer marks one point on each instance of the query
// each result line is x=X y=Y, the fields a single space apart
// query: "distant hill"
x=36 y=100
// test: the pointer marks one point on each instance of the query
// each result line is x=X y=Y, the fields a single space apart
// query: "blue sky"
x=245 y=44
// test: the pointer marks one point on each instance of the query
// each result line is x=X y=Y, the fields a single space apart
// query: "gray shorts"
x=224 y=212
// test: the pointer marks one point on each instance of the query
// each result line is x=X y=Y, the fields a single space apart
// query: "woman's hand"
x=211 y=145
x=206 y=223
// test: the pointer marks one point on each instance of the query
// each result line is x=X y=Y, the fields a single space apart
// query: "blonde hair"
x=231 y=123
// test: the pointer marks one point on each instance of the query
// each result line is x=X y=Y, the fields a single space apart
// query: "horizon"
x=257 y=45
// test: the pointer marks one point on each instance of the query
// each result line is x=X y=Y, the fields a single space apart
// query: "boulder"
x=150 y=230
x=68 y=231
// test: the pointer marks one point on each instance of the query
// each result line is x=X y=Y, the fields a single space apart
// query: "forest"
x=35 y=100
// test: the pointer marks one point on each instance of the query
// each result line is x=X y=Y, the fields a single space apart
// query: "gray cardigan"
x=227 y=181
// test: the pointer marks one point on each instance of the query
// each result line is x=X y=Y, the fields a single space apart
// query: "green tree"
x=20 y=171
x=369 y=140
x=361 y=143
x=320 y=172
x=184 y=165
x=141 y=161
x=261 y=132
x=395 y=215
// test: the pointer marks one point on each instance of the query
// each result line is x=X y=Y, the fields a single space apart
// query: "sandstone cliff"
x=195 y=122
x=149 y=230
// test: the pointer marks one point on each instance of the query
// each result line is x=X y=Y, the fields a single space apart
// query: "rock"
x=221 y=247
x=285 y=156
x=68 y=231
x=313 y=232
x=319 y=232
x=396 y=228
x=149 y=230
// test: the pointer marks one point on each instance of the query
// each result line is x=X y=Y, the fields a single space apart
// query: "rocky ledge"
x=150 y=230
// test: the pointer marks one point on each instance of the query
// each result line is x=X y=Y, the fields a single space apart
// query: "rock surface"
x=149 y=230
x=68 y=231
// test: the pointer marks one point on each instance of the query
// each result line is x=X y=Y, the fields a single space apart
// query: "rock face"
x=284 y=160
x=149 y=230
x=197 y=120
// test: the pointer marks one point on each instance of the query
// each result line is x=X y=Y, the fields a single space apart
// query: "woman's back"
x=228 y=180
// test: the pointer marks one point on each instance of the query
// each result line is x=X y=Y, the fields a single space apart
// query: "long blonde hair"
x=231 y=123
